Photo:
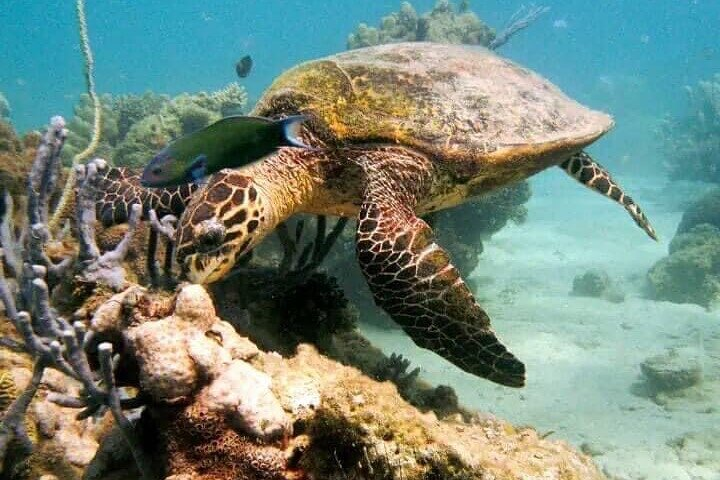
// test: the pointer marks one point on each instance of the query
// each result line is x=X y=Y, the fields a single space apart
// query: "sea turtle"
x=398 y=131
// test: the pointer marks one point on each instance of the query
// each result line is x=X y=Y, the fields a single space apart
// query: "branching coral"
x=50 y=340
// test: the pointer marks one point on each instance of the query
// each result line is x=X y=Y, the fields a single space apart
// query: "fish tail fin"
x=290 y=127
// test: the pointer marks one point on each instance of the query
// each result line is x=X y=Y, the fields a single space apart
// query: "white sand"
x=583 y=354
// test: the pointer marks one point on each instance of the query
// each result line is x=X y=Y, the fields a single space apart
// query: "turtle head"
x=222 y=223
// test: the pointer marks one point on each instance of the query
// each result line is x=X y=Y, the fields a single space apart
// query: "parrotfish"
x=228 y=143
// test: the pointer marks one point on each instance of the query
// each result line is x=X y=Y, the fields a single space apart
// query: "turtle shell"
x=451 y=101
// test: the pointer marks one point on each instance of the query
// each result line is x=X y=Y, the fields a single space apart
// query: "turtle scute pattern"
x=412 y=279
x=450 y=101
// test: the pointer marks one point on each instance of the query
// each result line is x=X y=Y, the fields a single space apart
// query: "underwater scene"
x=311 y=240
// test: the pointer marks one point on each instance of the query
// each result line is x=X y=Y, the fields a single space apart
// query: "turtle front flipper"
x=412 y=279
x=587 y=171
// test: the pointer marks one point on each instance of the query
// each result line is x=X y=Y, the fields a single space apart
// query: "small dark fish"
x=243 y=66
x=228 y=143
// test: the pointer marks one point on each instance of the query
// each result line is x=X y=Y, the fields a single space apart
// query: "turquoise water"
x=179 y=46
x=632 y=59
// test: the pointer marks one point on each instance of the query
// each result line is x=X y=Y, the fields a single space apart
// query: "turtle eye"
x=209 y=235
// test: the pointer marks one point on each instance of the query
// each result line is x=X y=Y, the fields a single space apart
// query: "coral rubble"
x=671 y=371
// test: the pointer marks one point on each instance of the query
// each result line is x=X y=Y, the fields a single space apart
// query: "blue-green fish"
x=228 y=143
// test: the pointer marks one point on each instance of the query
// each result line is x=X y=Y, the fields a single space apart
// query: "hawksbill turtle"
x=399 y=131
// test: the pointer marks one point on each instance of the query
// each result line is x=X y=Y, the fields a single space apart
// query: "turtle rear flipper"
x=587 y=171
x=412 y=279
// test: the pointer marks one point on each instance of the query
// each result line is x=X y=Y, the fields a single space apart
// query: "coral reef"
x=692 y=144
x=705 y=209
x=444 y=24
x=441 y=24
x=16 y=156
x=691 y=271
x=46 y=336
x=306 y=416
x=135 y=127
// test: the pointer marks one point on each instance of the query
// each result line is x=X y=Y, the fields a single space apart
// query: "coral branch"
x=519 y=21
x=12 y=426
x=166 y=229
x=103 y=268
x=106 y=368
x=11 y=245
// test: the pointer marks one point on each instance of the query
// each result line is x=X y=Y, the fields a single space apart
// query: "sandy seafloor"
x=583 y=354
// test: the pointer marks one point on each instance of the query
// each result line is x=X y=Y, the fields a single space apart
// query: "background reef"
x=691 y=144
x=444 y=23
x=135 y=127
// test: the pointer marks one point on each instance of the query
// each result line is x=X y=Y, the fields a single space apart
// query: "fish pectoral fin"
x=198 y=169
x=291 y=128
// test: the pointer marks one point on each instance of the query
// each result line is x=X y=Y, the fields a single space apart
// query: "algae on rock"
x=691 y=271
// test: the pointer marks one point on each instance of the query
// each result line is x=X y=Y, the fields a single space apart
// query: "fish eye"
x=156 y=171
